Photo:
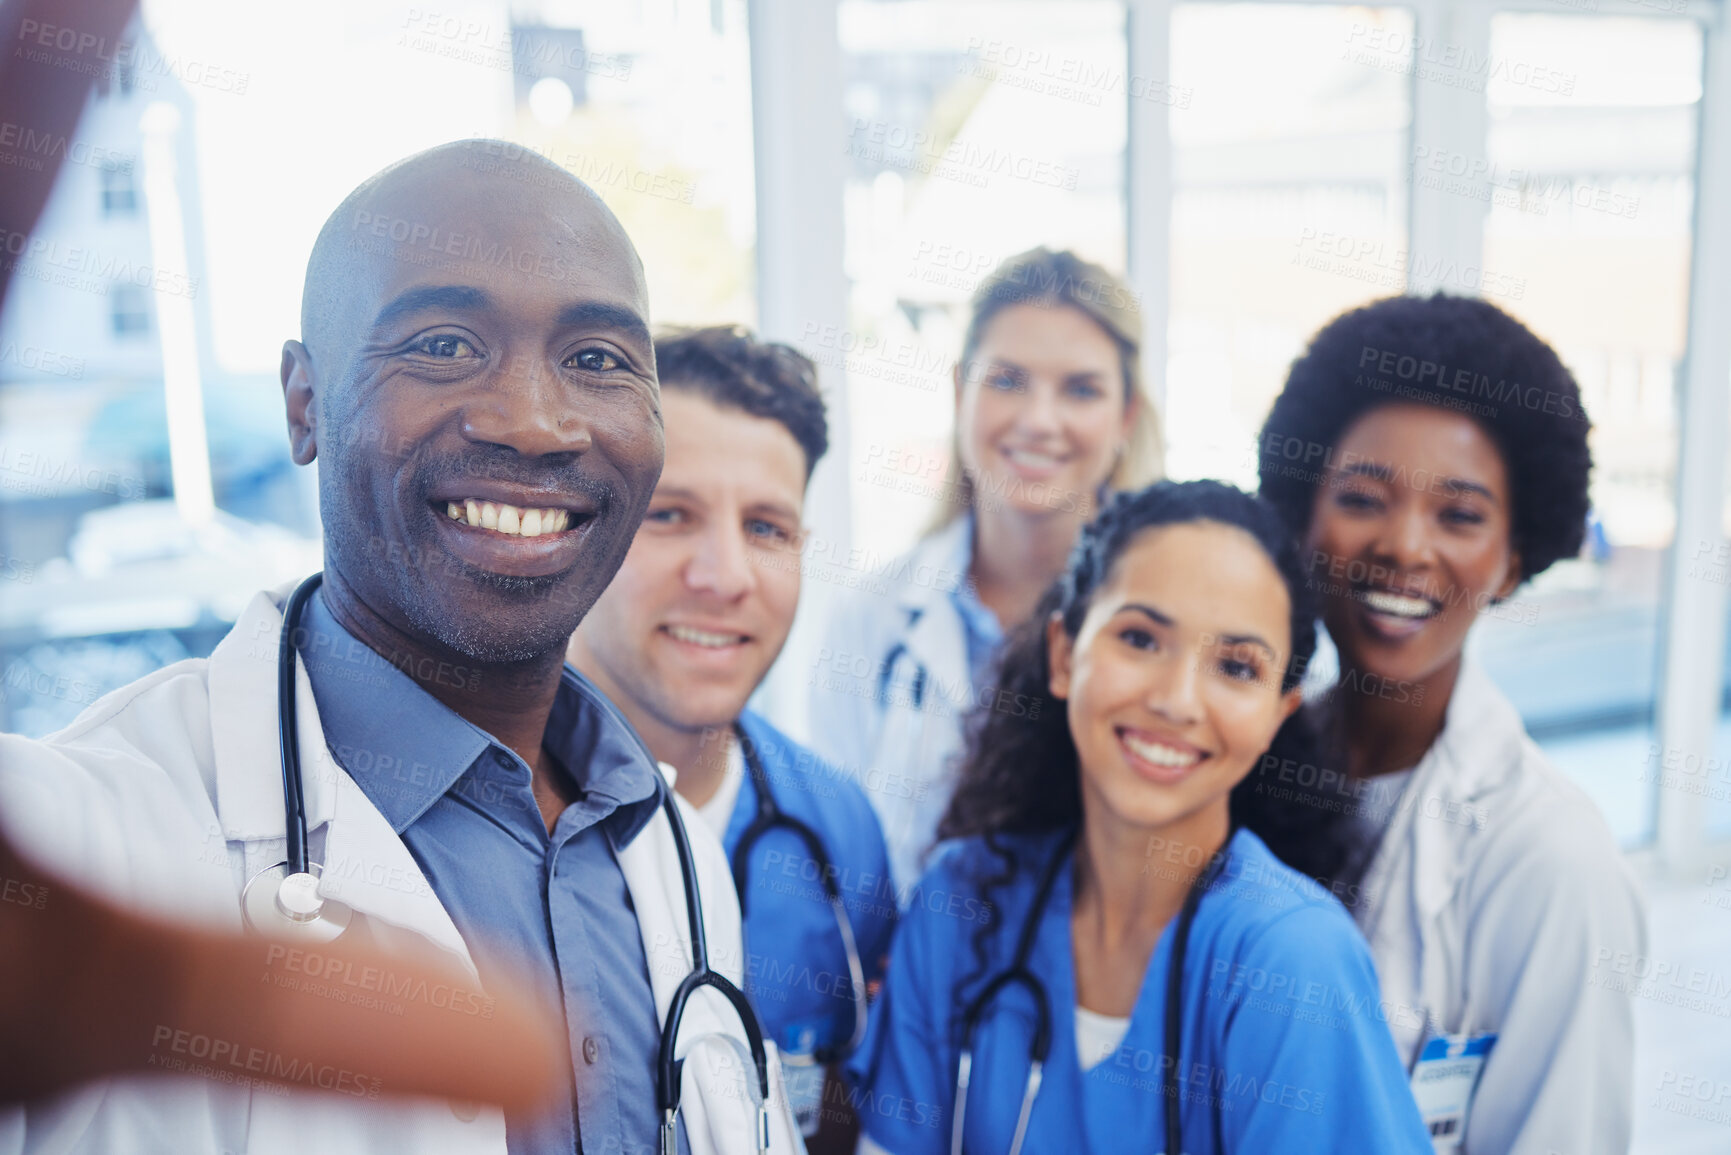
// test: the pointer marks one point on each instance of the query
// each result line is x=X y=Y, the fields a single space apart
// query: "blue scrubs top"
x=1285 y=1043
x=796 y=971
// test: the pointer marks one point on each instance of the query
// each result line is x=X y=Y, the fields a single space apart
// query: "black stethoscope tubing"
x=1020 y=974
x=886 y=674
x=288 y=735
x=667 y=1080
x=770 y=816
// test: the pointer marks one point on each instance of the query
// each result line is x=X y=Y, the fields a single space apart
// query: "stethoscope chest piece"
x=286 y=905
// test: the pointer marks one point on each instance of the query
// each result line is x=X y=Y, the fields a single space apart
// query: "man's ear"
x=299 y=396
x=1060 y=649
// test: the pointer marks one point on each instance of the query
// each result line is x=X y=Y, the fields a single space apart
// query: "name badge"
x=1443 y=1082
x=804 y=1083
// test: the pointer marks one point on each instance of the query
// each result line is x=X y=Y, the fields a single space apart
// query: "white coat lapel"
x=1424 y=852
x=718 y=1099
x=936 y=641
x=368 y=867
x=366 y=864
x=917 y=745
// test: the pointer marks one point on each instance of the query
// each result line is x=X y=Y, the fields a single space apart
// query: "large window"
x=1289 y=204
x=119 y=189
x=128 y=311
x=975 y=131
x=1565 y=159
x=280 y=114
x=1591 y=180
x=651 y=104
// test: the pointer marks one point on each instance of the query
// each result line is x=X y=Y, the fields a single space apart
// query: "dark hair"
x=730 y=367
x=1020 y=774
x=1455 y=353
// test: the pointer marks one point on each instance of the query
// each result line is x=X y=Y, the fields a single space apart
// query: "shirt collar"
x=934 y=567
x=406 y=749
x=981 y=623
x=604 y=755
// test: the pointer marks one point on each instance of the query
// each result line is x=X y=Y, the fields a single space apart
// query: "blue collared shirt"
x=981 y=630
x=553 y=908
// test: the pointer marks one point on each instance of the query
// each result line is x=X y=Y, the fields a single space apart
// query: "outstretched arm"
x=88 y=991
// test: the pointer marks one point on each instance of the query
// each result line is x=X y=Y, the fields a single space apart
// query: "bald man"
x=476 y=377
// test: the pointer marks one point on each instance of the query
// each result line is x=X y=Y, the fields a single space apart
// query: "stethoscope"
x=284 y=900
x=1039 y=1047
x=886 y=676
x=771 y=816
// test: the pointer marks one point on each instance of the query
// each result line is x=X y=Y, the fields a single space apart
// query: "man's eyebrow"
x=756 y=508
x=452 y=297
x=602 y=315
x=774 y=509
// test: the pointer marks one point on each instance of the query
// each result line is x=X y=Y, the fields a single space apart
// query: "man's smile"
x=708 y=639
x=709 y=649
x=508 y=518
x=536 y=535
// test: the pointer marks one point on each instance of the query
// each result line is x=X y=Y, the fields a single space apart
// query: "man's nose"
x=526 y=406
x=721 y=565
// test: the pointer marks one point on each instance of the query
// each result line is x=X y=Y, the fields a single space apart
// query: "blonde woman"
x=1051 y=416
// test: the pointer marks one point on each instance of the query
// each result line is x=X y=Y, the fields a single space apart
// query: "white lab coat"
x=863 y=717
x=166 y=796
x=1494 y=903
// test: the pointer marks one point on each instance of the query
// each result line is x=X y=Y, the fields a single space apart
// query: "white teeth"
x=1161 y=754
x=1033 y=458
x=1400 y=606
x=508 y=518
x=704 y=637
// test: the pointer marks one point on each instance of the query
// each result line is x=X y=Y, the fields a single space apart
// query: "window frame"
x=799 y=99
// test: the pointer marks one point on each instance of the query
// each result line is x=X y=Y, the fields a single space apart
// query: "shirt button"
x=465 y=1112
x=591 y=1050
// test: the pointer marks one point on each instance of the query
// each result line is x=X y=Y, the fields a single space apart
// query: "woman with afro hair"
x=1431 y=455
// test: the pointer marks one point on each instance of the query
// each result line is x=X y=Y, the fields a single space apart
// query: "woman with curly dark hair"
x=1101 y=958
x=1432 y=455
